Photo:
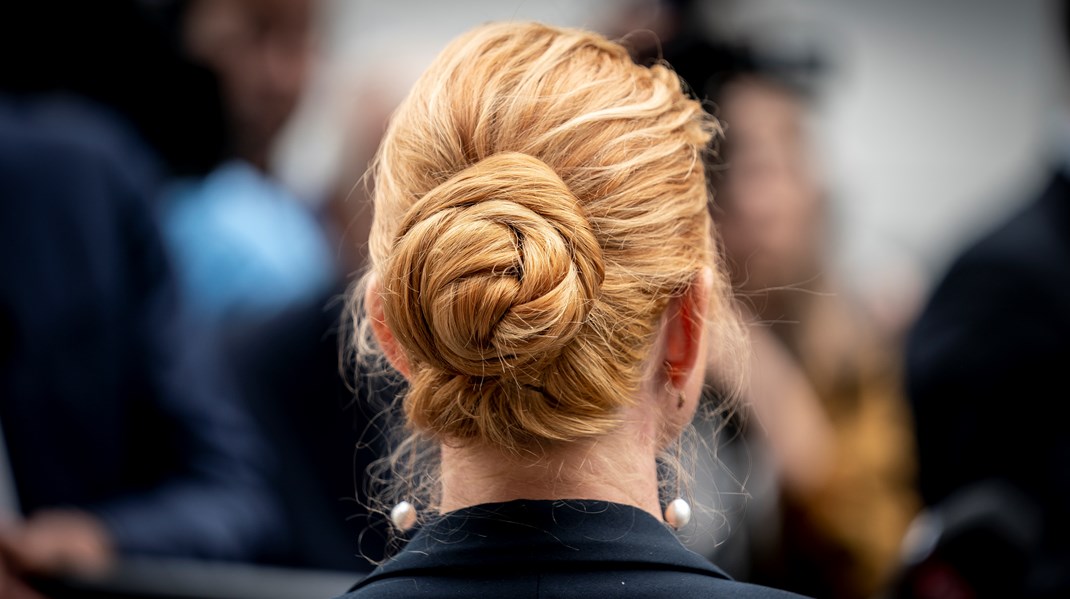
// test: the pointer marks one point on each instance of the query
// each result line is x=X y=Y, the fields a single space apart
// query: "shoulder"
x=653 y=584
x=567 y=549
x=747 y=590
x=751 y=591
x=1019 y=262
x=1000 y=307
x=605 y=584
x=417 y=588
x=58 y=131
x=1034 y=242
x=65 y=153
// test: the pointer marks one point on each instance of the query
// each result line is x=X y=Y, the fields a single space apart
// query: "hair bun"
x=494 y=270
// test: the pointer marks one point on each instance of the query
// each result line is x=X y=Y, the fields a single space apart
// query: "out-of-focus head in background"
x=200 y=80
x=262 y=51
x=773 y=206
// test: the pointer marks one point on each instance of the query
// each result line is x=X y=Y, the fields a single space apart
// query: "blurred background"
x=916 y=101
x=183 y=206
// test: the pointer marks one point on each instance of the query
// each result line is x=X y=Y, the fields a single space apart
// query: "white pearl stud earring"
x=678 y=513
x=404 y=515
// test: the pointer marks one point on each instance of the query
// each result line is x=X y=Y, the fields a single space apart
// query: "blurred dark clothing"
x=108 y=401
x=986 y=375
x=551 y=548
x=324 y=432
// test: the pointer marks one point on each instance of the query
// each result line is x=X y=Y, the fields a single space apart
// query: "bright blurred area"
x=184 y=204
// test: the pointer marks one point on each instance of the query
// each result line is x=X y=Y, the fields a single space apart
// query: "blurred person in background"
x=825 y=384
x=122 y=434
x=246 y=247
x=985 y=364
x=830 y=423
x=158 y=432
x=209 y=84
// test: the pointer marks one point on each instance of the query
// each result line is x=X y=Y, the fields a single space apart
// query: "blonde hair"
x=539 y=199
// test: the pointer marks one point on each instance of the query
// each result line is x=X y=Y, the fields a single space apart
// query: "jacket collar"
x=542 y=535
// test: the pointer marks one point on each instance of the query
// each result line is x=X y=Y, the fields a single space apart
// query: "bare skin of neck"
x=619 y=467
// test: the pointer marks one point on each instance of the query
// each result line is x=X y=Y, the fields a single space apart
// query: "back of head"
x=539 y=200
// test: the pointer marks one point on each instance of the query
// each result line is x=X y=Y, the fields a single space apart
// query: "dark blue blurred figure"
x=122 y=429
x=986 y=376
x=206 y=83
x=113 y=410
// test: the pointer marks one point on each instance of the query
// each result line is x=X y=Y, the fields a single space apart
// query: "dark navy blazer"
x=573 y=548
x=986 y=374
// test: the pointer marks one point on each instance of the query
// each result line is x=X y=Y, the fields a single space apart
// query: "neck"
x=615 y=468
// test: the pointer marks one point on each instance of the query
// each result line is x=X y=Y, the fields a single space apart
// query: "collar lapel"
x=529 y=535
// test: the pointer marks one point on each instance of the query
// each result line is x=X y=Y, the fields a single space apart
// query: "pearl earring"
x=678 y=513
x=404 y=516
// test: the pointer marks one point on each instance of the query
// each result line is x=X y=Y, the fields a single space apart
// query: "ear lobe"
x=376 y=315
x=686 y=323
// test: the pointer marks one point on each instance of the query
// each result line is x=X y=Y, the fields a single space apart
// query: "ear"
x=376 y=315
x=684 y=339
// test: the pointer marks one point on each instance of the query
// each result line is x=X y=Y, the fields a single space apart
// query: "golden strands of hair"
x=492 y=274
x=493 y=271
x=539 y=200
